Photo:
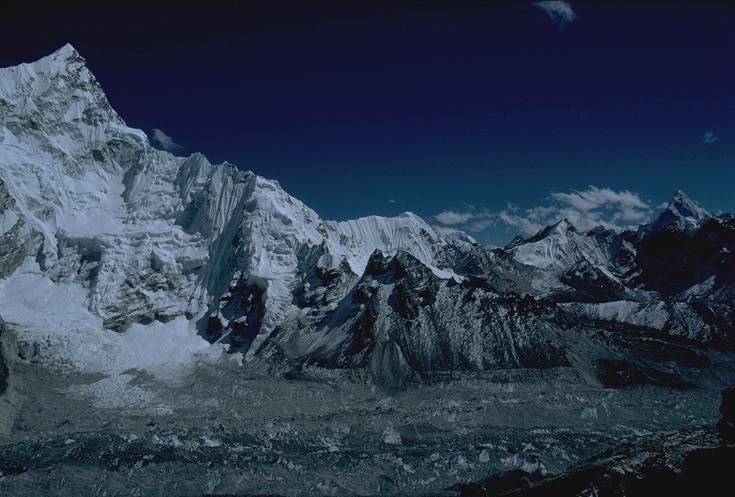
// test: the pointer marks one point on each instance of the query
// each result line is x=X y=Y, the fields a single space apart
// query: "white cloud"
x=510 y=217
x=447 y=231
x=709 y=137
x=559 y=11
x=453 y=217
x=481 y=223
x=392 y=201
x=585 y=209
x=164 y=141
x=472 y=220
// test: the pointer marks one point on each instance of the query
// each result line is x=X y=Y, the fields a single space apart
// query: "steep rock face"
x=279 y=245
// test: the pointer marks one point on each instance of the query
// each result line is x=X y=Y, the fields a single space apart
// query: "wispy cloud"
x=559 y=11
x=585 y=209
x=709 y=137
x=481 y=223
x=514 y=218
x=451 y=218
x=164 y=141
x=472 y=219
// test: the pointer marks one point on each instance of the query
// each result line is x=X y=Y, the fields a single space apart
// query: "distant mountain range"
x=147 y=236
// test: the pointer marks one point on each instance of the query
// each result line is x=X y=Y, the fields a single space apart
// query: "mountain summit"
x=681 y=214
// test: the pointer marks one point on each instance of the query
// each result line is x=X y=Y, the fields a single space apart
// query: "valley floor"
x=212 y=431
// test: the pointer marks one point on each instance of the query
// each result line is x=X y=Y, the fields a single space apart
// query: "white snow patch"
x=210 y=442
x=525 y=463
x=589 y=413
x=484 y=456
x=391 y=436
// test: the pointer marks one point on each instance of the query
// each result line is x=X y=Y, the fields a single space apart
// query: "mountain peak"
x=561 y=227
x=685 y=205
x=56 y=90
x=65 y=52
x=64 y=60
x=564 y=225
x=681 y=214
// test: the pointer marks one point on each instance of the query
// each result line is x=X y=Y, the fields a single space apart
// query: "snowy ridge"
x=560 y=249
x=557 y=246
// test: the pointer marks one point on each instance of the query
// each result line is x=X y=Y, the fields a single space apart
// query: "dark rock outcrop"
x=4 y=371
x=726 y=425
x=619 y=373
x=673 y=464
x=436 y=324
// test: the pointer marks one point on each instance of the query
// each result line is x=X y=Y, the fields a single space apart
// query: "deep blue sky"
x=433 y=106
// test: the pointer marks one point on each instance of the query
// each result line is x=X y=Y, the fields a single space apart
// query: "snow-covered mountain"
x=681 y=214
x=150 y=236
x=115 y=255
